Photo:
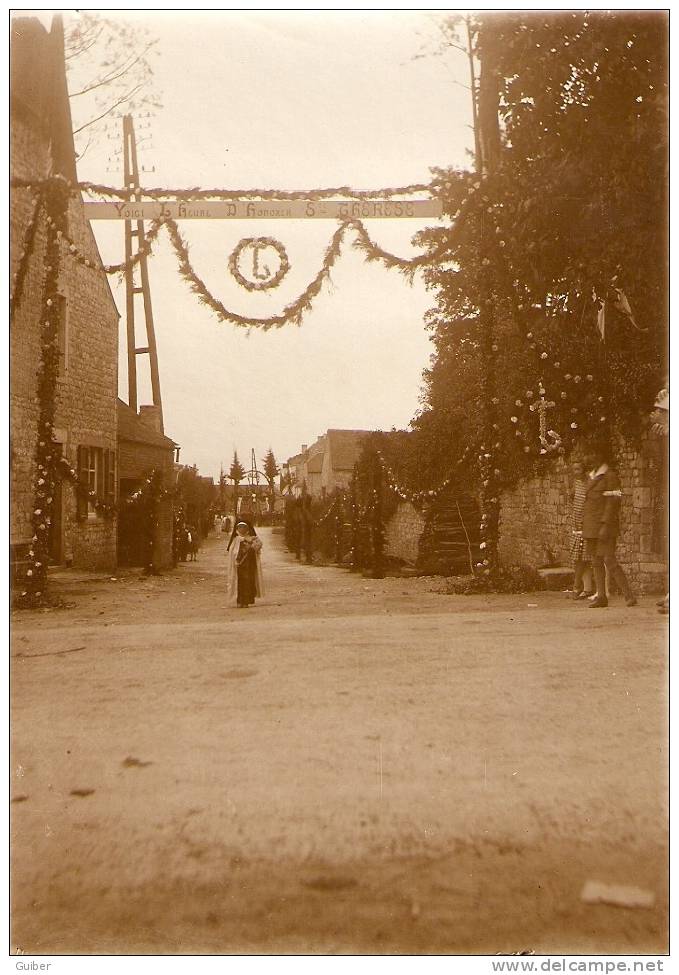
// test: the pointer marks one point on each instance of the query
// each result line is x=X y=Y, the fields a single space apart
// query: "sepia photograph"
x=357 y=320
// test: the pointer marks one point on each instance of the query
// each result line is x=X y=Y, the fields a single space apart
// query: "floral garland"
x=196 y=193
x=34 y=592
x=151 y=489
x=293 y=312
x=145 y=250
x=418 y=497
x=258 y=242
x=25 y=254
x=331 y=511
x=107 y=508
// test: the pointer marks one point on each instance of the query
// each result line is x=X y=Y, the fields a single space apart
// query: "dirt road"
x=352 y=765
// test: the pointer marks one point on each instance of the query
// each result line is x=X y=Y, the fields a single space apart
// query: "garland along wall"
x=535 y=514
x=86 y=387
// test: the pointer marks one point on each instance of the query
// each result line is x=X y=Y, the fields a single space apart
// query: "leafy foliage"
x=236 y=471
x=574 y=209
x=271 y=469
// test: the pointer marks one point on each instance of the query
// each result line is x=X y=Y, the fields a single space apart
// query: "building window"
x=62 y=336
x=96 y=472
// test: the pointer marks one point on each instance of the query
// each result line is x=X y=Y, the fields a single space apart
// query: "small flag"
x=601 y=321
x=622 y=305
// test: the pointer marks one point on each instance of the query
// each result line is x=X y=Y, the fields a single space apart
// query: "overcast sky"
x=290 y=100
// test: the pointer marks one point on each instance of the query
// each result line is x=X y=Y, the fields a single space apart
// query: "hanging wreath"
x=264 y=281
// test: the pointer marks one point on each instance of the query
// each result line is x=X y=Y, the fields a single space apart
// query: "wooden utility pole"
x=134 y=286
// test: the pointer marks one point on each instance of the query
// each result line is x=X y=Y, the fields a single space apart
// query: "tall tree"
x=560 y=239
x=222 y=489
x=271 y=471
x=576 y=206
x=236 y=474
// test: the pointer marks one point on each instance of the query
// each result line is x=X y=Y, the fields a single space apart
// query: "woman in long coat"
x=245 y=581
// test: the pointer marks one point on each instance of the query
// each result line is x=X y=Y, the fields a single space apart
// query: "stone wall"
x=403 y=532
x=87 y=390
x=137 y=460
x=535 y=515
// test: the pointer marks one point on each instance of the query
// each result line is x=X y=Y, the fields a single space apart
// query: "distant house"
x=84 y=431
x=327 y=465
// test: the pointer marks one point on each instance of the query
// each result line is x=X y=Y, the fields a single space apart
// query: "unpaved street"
x=352 y=765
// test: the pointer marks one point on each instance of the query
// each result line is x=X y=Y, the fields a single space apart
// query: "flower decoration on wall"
x=264 y=277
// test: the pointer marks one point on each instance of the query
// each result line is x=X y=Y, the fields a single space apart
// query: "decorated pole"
x=354 y=520
x=34 y=590
x=377 y=519
x=489 y=143
x=339 y=528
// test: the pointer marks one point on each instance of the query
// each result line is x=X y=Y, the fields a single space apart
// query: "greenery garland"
x=418 y=497
x=144 y=251
x=293 y=312
x=34 y=591
x=25 y=254
x=271 y=282
x=196 y=193
x=64 y=470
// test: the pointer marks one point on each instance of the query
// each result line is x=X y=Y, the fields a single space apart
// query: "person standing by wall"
x=601 y=526
x=583 y=583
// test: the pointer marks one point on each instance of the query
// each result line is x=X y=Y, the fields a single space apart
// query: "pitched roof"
x=345 y=447
x=38 y=84
x=135 y=428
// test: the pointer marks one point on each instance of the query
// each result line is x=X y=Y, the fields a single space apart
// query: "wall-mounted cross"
x=549 y=439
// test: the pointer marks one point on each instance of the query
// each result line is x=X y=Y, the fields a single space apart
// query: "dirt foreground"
x=351 y=766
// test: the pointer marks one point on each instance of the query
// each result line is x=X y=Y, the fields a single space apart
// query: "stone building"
x=142 y=450
x=328 y=464
x=41 y=144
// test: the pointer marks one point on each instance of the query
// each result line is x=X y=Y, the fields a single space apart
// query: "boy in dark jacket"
x=601 y=526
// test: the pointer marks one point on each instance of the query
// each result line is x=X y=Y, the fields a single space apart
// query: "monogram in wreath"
x=256 y=254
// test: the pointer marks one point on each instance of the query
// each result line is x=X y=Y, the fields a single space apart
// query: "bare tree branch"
x=81 y=155
x=108 y=111
x=112 y=76
x=84 y=48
